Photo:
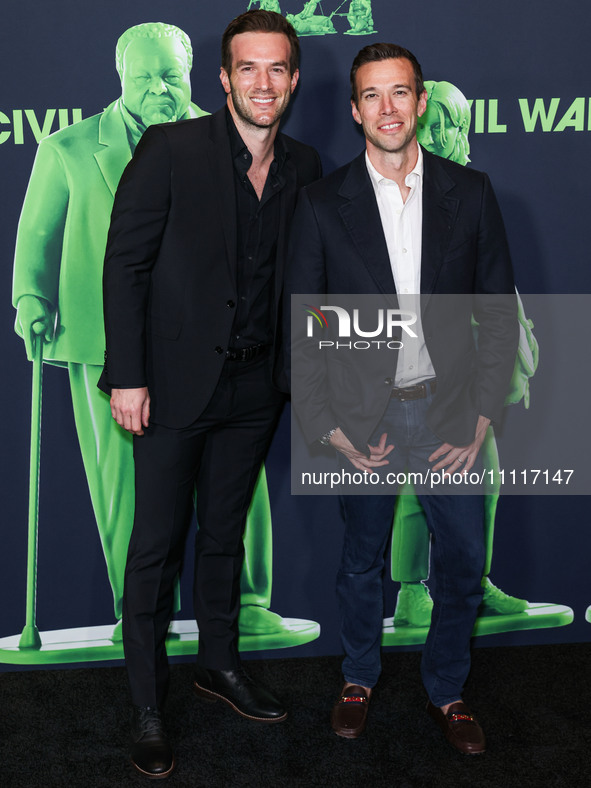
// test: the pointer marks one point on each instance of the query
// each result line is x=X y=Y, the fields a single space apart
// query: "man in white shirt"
x=398 y=220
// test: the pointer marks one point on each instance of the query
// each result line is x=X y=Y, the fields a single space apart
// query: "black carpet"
x=63 y=728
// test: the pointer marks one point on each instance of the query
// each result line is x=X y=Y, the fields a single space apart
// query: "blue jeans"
x=456 y=523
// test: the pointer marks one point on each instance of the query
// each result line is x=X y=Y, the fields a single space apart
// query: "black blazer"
x=169 y=284
x=338 y=246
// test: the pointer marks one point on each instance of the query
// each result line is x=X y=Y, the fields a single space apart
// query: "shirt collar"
x=414 y=177
x=242 y=157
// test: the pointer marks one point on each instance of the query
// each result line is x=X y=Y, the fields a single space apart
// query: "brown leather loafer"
x=349 y=714
x=460 y=728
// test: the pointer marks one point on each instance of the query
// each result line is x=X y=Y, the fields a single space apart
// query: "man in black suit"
x=192 y=283
x=399 y=221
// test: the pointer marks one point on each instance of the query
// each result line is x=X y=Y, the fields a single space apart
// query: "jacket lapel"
x=361 y=217
x=287 y=202
x=439 y=217
x=222 y=172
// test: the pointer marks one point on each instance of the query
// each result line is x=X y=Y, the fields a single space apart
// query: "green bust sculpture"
x=443 y=128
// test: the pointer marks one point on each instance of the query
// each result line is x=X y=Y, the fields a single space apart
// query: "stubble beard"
x=390 y=146
x=245 y=114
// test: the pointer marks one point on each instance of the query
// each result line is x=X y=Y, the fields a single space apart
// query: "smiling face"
x=259 y=86
x=155 y=80
x=387 y=106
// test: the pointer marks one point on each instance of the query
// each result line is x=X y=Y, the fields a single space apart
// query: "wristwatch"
x=325 y=439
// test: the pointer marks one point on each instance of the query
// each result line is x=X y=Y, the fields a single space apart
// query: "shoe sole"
x=152 y=776
x=465 y=752
x=212 y=697
x=353 y=735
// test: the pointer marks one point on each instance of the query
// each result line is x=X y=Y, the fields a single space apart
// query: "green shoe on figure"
x=497 y=603
x=257 y=620
x=413 y=605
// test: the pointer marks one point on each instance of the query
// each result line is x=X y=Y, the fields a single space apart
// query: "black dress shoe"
x=151 y=753
x=238 y=690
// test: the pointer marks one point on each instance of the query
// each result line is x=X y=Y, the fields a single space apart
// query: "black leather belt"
x=245 y=353
x=419 y=391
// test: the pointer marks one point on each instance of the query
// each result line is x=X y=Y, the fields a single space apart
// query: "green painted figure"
x=309 y=23
x=443 y=130
x=58 y=282
x=360 y=18
x=265 y=5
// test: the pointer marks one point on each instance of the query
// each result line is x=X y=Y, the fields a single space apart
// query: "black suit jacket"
x=169 y=283
x=338 y=247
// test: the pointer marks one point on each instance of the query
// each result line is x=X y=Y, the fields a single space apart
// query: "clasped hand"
x=363 y=463
x=452 y=458
x=460 y=458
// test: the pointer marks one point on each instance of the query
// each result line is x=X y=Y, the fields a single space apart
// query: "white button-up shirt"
x=402 y=223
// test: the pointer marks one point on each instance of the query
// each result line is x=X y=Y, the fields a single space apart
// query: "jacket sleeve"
x=305 y=281
x=495 y=308
x=41 y=226
x=137 y=225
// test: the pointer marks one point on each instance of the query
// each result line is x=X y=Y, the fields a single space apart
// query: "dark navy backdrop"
x=61 y=55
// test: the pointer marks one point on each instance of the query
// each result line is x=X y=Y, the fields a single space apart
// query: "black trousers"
x=219 y=457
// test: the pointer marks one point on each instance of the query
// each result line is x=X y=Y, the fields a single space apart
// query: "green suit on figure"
x=58 y=281
x=443 y=130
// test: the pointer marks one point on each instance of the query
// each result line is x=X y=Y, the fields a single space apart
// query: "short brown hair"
x=258 y=21
x=373 y=52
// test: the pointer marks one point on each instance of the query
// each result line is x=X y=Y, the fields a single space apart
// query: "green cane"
x=30 y=637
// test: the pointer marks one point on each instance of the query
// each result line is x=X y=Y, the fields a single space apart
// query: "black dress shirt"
x=256 y=249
